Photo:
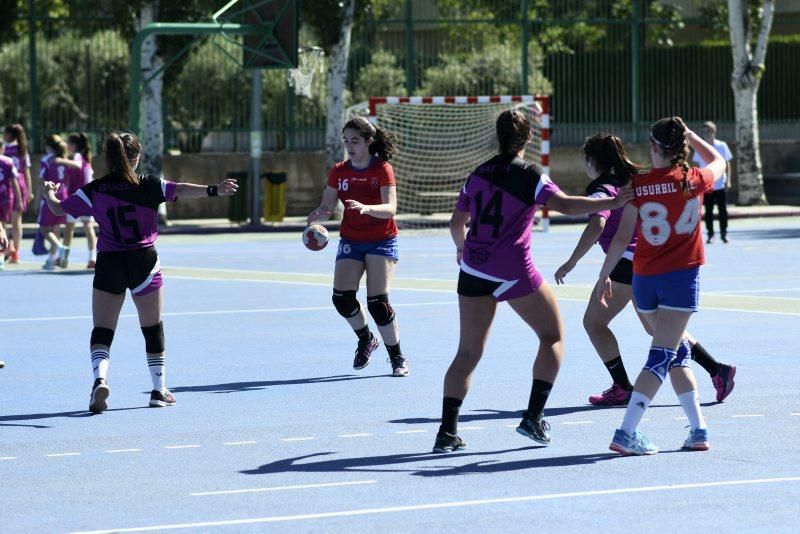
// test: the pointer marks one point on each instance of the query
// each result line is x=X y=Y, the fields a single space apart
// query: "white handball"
x=315 y=237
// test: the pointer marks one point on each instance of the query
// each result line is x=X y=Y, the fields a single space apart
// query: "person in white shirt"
x=718 y=196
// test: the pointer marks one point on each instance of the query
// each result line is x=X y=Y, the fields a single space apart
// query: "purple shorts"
x=473 y=283
x=49 y=219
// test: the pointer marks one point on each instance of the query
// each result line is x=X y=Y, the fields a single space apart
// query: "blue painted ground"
x=270 y=410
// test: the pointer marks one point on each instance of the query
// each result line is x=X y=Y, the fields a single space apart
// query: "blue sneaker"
x=697 y=440
x=627 y=445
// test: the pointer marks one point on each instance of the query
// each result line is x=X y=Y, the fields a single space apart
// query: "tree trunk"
x=337 y=80
x=745 y=81
x=152 y=120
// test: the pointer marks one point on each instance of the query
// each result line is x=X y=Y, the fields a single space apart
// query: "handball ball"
x=315 y=237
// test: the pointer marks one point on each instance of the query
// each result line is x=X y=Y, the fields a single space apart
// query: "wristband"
x=212 y=191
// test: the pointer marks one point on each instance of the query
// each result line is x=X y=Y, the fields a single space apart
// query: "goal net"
x=442 y=140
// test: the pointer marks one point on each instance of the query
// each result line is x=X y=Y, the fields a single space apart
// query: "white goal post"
x=442 y=139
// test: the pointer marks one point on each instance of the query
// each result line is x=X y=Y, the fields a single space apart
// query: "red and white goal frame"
x=542 y=115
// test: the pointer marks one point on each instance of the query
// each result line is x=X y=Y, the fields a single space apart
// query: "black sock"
x=394 y=350
x=450 y=408
x=364 y=334
x=704 y=359
x=540 y=390
x=618 y=374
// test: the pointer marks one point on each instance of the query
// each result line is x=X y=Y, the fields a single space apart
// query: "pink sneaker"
x=723 y=381
x=616 y=395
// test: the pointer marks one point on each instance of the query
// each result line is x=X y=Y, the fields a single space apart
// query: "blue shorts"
x=349 y=250
x=676 y=290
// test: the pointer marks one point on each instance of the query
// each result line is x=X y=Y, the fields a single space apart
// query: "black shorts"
x=623 y=272
x=473 y=286
x=138 y=270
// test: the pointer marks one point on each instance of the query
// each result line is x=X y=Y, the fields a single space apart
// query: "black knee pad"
x=380 y=309
x=154 y=338
x=101 y=336
x=346 y=303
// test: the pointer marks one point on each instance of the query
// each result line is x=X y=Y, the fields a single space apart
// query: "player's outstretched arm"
x=615 y=251
x=717 y=163
x=225 y=188
x=67 y=163
x=588 y=238
x=325 y=209
x=572 y=205
x=49 y=193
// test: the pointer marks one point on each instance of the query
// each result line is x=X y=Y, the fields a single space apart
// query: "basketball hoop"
x=311 y=60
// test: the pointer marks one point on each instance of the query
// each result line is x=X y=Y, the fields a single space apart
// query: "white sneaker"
x=49 y=265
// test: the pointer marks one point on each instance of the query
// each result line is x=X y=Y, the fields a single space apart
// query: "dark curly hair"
x=384 y=142
x=609 y=155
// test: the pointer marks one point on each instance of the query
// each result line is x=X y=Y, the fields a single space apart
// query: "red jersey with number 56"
x=363 y=185
x=669 y=230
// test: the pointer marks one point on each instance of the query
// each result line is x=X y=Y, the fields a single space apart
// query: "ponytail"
x=121 y=149
x=609 y=155
x=513 y=130
x=17 y=133
x=57 y=145
x=670 y=135
x=384 y=142
x=81 y=143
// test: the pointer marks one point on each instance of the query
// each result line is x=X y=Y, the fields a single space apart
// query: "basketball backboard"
x=276 y=47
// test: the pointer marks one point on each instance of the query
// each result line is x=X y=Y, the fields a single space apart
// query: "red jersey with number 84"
x=363 y=185
x=668 y=225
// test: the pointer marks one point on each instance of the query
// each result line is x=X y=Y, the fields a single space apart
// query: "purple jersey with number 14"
x=126 y=213
x=502 y=206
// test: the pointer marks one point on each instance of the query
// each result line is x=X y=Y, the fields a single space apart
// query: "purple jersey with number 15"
x=126 y=213
x=501 y=210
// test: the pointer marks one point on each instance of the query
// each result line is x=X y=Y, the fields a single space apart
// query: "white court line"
x=797 y=414
x=443 y=505
x=220 y=312
x=59 y=455
x=410 y=431
x=240 y=443
x=8 y=458
x=748 y=415
x=115 y=451
x=470 y=428
x=283 y=488
x=354 y=435
x=735 y=291
x=309 y=438
x=578 y=423
x=684 y=418
x=182 y=447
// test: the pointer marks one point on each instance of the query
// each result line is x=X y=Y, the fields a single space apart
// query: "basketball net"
x=311 y=60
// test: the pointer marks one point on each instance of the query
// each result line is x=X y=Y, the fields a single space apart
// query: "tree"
x=151 y=117
x=748 y=67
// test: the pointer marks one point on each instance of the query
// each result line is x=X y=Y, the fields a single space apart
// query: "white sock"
x=100 y=363
x=54 y=254
x=637 y=406
x=158 y=371
x=691 y=407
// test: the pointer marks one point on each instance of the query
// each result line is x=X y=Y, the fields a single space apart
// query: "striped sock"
x=100 y=363
x=158 y=371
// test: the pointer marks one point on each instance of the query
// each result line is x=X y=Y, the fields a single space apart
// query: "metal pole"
x=636 y=42
x=411 y=77
x=525 y=39
x=33 y=100
x=256 y=126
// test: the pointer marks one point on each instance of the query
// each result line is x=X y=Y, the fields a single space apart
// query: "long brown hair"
x=81 y=143
x=57 y=145
x=609 y=155
x=384 y=142
x=121 y=149
x=513 y=131
x=17 y=133
x=669 y=134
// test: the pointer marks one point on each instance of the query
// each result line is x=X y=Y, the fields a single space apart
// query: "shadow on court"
x=28 y=426
x=77 y=414
x=491 y=415
x=237 y=387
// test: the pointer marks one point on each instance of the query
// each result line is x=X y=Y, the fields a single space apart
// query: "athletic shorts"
x=138 y=270
x=623 y=272
x=676 y=290
x=473 y=283
x=82 y=218
x=349 y=250
x=47 y=218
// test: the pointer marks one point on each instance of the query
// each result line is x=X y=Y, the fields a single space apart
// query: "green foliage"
x=382 y=76
x=495 y=70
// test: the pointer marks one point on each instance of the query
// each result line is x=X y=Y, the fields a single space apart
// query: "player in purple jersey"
x=499 y=201
x=15 y=146
x=125 y=206
x=81 y=153
x=9 y=196
x=51 y=171
x=3 y=245
x=608 y=165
